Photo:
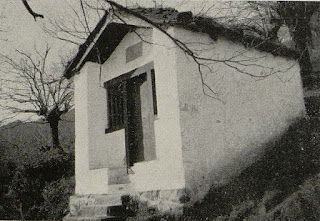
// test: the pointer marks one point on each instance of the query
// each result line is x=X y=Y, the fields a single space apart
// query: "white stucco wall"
x=96 y=151
x=166 y=171
x=221 y=137
x=199 y=140
x=89 y=100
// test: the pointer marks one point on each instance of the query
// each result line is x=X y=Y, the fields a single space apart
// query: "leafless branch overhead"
x=35 y=15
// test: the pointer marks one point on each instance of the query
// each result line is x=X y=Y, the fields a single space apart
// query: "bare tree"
x=261 y=19
x=239 y=60
x=31 y=84
x=76 y=28
x=296 y=15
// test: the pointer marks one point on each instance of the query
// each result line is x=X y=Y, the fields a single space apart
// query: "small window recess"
x=133 y=52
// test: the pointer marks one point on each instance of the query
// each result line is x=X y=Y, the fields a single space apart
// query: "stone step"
x=109 y=218
x=78 y=218
x=93 y=211
x=120 y=211
x=101 y=207
x=97 y=213
x=104 y=199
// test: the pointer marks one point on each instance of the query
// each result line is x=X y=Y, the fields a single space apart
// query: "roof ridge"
x=161 y=17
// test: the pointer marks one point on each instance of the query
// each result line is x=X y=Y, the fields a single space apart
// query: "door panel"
x=134 y=129
x=148 y=115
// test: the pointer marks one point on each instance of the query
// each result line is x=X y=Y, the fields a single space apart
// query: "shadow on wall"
x=285 y=165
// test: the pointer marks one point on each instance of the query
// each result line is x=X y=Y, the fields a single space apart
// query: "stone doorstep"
x=97 y=218
x=120 y=211
x=92 y=205
x=88 y=211
x=77 y=218
x=101 y=213
x=95 y=199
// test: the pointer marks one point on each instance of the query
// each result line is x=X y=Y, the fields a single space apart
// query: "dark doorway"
x=132 y=106
x=134 y=130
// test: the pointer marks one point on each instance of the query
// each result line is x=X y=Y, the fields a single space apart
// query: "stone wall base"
x=159 y=203
x=91 y=207
x=138 y=205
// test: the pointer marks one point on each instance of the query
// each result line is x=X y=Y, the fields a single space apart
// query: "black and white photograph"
x=159 y=110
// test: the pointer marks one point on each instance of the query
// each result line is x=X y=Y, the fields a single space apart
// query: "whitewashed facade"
x=170 y=136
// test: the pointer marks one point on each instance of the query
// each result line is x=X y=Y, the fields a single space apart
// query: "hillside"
x=37 y=133
x=36 y=180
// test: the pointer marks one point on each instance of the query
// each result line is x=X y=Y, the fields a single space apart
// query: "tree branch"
x=35 y=15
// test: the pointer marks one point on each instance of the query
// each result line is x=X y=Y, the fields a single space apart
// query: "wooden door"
x=134 y=129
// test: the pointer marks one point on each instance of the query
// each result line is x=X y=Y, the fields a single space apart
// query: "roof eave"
x=215 y=30
x=89 y=50
x=72 y=66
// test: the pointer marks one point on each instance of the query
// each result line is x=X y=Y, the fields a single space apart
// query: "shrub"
x=31 y=185
x=56 y=198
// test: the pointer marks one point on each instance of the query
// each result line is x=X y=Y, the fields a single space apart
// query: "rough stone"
x=167 y=207
x=150 y=195
x=161 y=202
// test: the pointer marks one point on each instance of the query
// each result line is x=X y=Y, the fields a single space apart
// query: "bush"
x=34 y=188
x=56 y=198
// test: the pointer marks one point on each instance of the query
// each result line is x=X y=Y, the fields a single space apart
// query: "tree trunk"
x=306 y=68
x=54 y=125
x=53 y=119
x=297 y=16
x=302 y=38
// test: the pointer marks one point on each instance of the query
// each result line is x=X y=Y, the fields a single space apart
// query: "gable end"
x=109 y=39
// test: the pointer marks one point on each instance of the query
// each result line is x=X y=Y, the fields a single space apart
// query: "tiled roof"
x=159 y=17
